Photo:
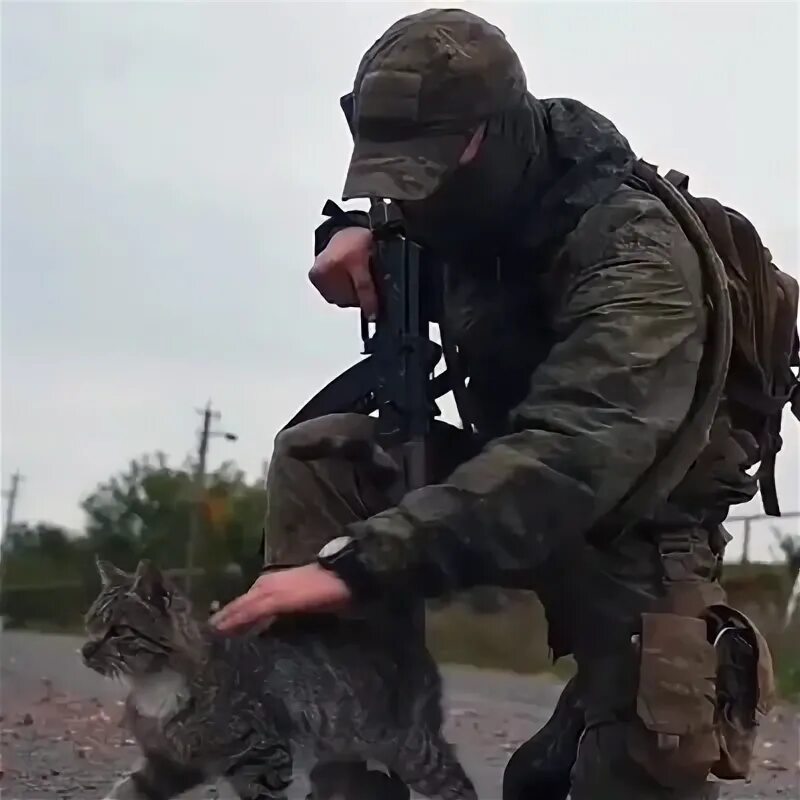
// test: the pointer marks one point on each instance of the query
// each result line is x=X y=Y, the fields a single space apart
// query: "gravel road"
x=61 y=738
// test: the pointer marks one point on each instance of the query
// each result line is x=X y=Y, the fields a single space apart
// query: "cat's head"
x=138 y=624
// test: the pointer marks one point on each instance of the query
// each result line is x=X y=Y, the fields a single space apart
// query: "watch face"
x=335 y=546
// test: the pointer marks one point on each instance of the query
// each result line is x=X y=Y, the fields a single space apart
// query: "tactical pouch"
x=744 y=687
x=702 y=682
x=673 y=736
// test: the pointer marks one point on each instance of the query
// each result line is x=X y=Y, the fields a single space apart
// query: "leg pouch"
x=745 y=688
x=672 y=735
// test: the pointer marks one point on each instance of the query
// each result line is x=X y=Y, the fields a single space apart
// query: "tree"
x=790 y=545
x=145 y=512
x=45 y=574
x=30 y=550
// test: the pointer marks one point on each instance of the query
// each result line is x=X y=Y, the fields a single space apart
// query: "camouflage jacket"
x=582 y=342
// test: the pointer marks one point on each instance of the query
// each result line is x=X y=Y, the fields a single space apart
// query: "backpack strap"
x=678 y=179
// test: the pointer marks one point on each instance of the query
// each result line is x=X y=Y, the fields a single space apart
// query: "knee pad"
x=315 y=435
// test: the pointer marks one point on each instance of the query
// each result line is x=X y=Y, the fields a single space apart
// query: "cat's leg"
x=155 y=779
x=325 y=474
x=263 y=773
x=354 y=781
x=428 y=764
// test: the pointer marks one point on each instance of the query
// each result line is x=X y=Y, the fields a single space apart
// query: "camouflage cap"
x=420 y=92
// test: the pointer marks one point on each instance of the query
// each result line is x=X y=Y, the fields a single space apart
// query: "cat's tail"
x=428 y=765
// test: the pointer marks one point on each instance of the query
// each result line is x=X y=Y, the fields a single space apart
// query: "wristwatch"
x=340 y=556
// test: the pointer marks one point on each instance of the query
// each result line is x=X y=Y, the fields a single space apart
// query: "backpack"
x=765 y=346
x=752 y=347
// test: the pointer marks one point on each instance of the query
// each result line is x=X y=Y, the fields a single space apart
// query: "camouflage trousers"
x=596 y=746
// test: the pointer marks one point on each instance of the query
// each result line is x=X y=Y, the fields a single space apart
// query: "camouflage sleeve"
x=617 y=384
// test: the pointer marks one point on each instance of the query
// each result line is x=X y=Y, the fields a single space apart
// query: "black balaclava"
x=476 y=207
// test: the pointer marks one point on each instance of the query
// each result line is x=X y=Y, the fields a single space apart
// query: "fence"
x=748 y=521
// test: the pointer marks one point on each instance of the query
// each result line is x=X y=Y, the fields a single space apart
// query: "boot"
x=540 y=768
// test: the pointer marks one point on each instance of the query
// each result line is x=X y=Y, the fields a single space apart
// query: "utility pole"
x=11 y=501
x=195 y=518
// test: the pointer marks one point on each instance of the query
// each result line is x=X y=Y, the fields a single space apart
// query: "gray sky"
x=164 y=166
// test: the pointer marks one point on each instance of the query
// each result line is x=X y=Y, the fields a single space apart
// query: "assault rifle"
x=396 y=378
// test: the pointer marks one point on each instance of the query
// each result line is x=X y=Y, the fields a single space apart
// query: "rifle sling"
x=354 y=392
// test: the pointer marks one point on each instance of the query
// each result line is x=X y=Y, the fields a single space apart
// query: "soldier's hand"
x=306 y=588
x=341 y=271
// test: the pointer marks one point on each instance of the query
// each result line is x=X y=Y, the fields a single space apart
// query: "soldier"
x=578 y=307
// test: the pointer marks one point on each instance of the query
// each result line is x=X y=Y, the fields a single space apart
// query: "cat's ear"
x=109 y=574
x=149 y=584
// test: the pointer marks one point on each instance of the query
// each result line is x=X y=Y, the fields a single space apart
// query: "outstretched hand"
x=306 y=588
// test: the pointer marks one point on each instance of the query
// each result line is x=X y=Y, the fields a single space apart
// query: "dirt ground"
x=61 y=738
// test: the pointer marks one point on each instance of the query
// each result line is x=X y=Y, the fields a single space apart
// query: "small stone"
x=27 y=719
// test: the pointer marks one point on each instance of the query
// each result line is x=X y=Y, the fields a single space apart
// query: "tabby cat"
x=203 y=705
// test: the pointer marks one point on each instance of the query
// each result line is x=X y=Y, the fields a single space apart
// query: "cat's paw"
x=124 y=789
